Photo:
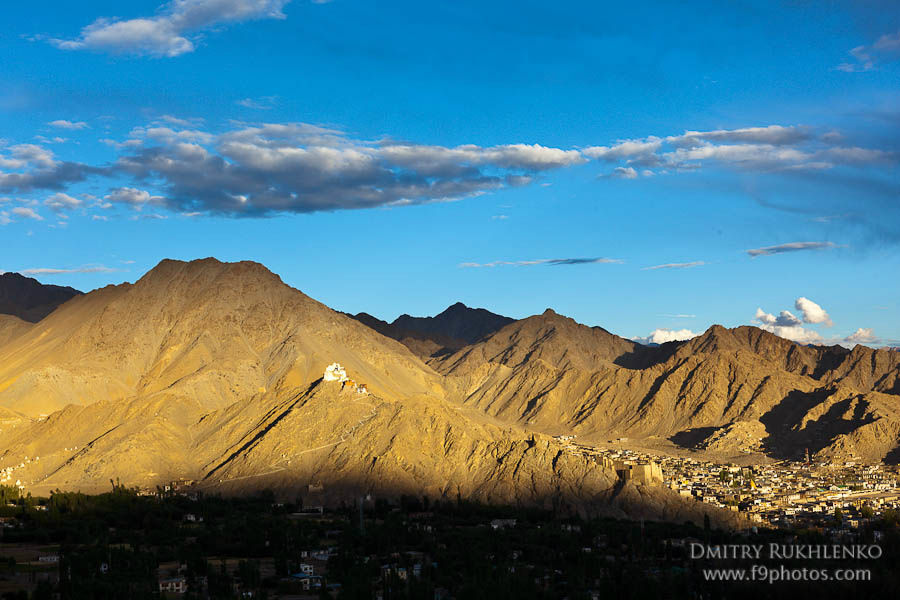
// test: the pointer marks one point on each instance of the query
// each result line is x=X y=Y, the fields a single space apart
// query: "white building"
x=335 y=372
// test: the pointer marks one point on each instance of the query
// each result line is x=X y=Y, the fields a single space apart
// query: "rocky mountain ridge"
x=448 y=331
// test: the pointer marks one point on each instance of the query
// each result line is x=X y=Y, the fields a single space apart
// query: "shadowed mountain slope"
x=449 y=331
x=29 y=299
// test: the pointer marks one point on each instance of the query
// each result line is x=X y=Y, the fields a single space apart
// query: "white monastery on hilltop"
x=335 y=372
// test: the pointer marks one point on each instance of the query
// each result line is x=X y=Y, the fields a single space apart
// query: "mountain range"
x=213 y=372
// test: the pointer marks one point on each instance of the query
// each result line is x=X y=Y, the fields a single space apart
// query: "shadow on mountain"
x=786 y=441
x=892 y=457
x=644 y=357
x=623 y=500
x=690 y=438
x=832 y=357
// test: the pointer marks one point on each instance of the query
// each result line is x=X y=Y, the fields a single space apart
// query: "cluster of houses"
x=782 y=493
x=790 y=493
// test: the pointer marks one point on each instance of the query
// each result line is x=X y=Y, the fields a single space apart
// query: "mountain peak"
x=171 y=270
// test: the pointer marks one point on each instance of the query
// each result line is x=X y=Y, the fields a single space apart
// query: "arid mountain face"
x=726 y=390
x=207 y=332
x=213 y=372
x=30 y=300
x=455 y=328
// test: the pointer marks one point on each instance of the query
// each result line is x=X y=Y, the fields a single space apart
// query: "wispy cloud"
x=171 y=33
x=53 y=271
x=28 y=213
x=867 y=57
x=791 y=247
x=684 y=265
x=773 y=148
x=260 y=103
x=542 y=261
x=70 y=125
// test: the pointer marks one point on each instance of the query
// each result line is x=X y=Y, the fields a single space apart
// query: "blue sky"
x=399 y=156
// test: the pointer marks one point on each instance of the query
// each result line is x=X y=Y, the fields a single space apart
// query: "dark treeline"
x=112 y=545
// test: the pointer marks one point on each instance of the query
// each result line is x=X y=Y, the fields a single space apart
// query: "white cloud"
x=435 y=158
x=169 y=34
x=812 y=312
x=795 y=333
x=59 y=202
x=789 y=326
x=624 y=173
x=27 y=155
x=4 y=218
x=772 y=135
x=168 y=135
x=862 y=336
x=784 y=319
x=133 y=196
x=624 y=149
x=71 y=125
x=661 y=336
x=28 y=213
x=759 y=155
